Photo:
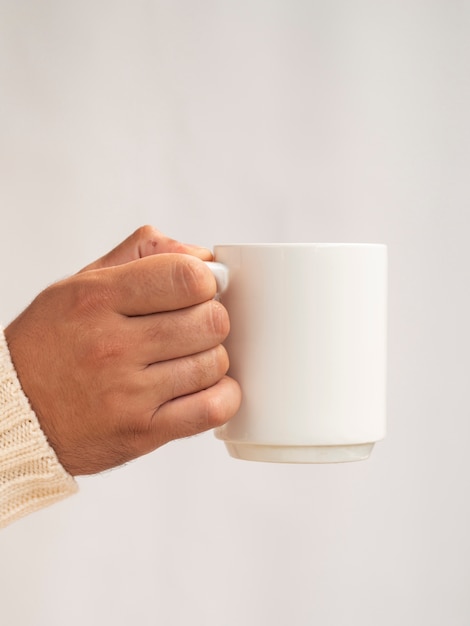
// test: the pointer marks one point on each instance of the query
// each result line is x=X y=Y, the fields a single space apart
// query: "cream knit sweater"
x=31 y=476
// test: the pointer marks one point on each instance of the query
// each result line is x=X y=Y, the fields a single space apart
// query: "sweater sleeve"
x=31 y=476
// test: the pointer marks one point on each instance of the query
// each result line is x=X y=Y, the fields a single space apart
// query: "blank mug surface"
x=308 y=347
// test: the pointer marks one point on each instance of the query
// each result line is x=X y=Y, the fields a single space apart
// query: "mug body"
x=308 y=347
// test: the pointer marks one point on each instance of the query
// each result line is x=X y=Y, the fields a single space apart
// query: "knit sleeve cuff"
x=31 y=476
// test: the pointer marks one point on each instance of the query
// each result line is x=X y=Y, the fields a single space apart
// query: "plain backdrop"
x=256 y=120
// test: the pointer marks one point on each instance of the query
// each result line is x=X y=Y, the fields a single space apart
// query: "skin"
x=126 y=355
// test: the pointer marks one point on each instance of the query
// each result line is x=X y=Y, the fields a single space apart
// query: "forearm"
x=31 y=476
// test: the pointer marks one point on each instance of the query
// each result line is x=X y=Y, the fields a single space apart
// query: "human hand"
x=126 y=355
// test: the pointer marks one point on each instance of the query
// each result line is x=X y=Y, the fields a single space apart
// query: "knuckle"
x=211 y=366
x=198 y=372
x=215 y=411
x=134 y=429
x=146 y=239
x=221 y=360
x=190 y=277
x=149 y=234
x=100 y=350
x=219 y=321
x=144 y=232
x=106 y=348
x=194 y=373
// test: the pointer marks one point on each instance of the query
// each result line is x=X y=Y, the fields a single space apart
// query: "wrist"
x=31 y=475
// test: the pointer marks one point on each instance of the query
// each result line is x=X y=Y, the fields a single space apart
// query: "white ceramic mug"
x=308 y=347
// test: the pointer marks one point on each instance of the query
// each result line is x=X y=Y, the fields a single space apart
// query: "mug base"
x=299 y=454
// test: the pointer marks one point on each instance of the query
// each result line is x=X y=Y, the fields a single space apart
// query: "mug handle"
x=221 y=275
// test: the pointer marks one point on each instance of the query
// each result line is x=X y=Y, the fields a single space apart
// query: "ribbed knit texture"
x=31 y=476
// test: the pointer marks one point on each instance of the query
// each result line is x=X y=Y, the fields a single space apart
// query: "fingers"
x=165 y=336
x=146 y=241
x=192 y=414
x=163 y=282
x=181 y=377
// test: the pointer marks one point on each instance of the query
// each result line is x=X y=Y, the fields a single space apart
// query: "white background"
x=255 y=120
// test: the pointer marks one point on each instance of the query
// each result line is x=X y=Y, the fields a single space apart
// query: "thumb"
x=145 y=241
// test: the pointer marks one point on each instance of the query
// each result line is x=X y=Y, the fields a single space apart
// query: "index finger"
x=162 y=282
x=146 y=241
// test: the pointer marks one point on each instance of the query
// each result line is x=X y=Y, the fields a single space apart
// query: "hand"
x=126 y=355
